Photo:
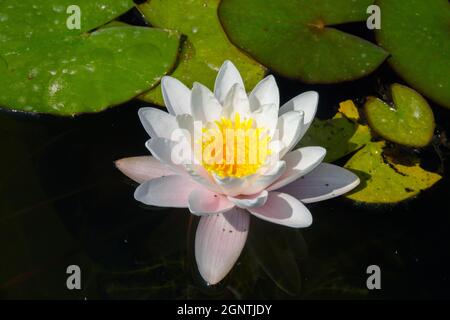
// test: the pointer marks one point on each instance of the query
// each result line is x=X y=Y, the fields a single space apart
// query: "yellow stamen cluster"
x=234 y=148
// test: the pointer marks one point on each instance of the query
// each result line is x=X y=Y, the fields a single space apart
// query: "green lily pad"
x=206 y=47
x=295 y=38
x=417 y=34
x=410 y=122
x=340 y=135
x=50 y=69
x=385 y=180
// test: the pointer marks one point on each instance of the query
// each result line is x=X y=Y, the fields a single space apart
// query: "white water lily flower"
x=273 y=187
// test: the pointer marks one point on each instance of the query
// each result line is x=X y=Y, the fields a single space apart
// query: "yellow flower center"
x=234 y=148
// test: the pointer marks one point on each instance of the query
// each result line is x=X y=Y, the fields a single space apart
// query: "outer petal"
x=170 y=191
x=265 y=92
x=290 y=130
x=141 y=169
x=228 y=76
x=252 y=201
x=157 y=123
x=236 y=101
x=177 y=97
x=298 y=163
x=306 y=102
x=325 y=182
x=284 y=209
x=204 y=105
x=202 y=202
x=219 y=241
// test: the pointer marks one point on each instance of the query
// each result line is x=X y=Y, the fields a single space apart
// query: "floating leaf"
x=206 y=47
x=410 y=122
x=385 y=180
x=340 y=135
x=294 y=38
x=349 y=110
x=52 y=69
x=417 y=34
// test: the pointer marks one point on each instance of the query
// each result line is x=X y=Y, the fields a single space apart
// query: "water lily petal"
x=290 y=129
x=203 y=202
x=228 y=76
x=298 y=163
x=236 y=101
x=171 y=153
x=266 y=177
x=231 y=186
x=204 y=105
x=306 y=102
x=170 y=191
x=200 y=175
x=219 y=241
x=186 y=122
x=265 y=92
x=251 y=201
x=157 y=123
x=324 y=182
x=177 y=97
x=267 y=117
x=141 y=169
x=284 y=209
x=191 y=130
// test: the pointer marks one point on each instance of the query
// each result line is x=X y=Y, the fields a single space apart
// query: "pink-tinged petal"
x=141 y=169
x=283 y=209
x=228 y=76
x=324 y=182
x=265 y=92
x=251 y=201
x=177 y=97
x=219 y=241
x=306 y=102
x=299 y=163
x=204 y=105
x=203 y=202
x=170 y=191
x=157 y=123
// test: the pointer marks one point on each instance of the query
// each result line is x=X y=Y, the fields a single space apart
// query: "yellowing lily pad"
x=410 y=122
x=295 y=38
x=206 y=47
x=385 y=180
x=417 y=34
x=340 y=135
x=49 y=68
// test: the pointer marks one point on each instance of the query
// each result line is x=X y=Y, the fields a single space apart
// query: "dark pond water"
x=62 y=202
